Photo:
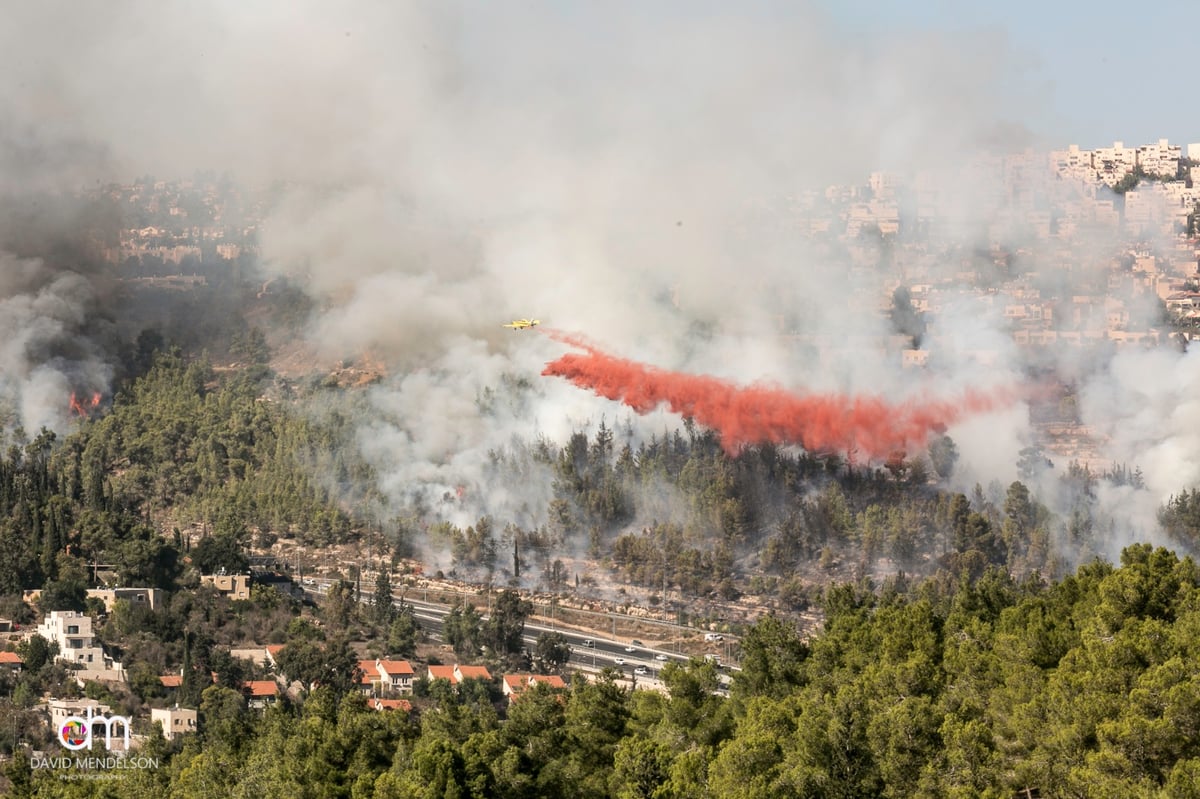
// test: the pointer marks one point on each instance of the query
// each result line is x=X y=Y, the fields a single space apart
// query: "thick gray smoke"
x=643 y=173
x=45 y=351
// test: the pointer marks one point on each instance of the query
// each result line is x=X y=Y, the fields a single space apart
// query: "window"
x=73 y=629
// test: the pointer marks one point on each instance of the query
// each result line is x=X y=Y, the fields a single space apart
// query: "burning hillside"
x=83 y=406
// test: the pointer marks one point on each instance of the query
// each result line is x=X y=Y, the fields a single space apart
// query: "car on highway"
x=641 y=670
x=619 y=661
x=660 y=657
x=631 y=649
x=590 y=644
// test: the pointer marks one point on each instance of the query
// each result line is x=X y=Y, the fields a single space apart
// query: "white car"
x=631 y=649
x=641 y=670
x=660 y=657
x=619 y=661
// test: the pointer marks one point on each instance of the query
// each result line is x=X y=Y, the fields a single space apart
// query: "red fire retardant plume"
x=868 y=426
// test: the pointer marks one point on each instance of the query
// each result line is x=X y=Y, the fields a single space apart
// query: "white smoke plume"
x=634 y=171
x=46 y=354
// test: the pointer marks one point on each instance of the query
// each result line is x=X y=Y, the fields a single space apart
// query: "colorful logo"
x=74 y=734
x=76 y=731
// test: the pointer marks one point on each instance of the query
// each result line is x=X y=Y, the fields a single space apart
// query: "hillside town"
x=1077 y=247
x=1073 y=247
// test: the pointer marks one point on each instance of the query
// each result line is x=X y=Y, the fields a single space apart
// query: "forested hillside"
x=179 y=446
x=982 y=665
x=776 y=522
x=943 y=688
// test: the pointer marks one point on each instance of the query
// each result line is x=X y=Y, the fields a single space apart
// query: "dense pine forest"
x=962 y=652
x=944 y=687
x=178 y=446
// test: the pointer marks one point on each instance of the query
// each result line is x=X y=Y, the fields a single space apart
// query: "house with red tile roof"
x=516 y=684
x=385 y=676
x=442 y=673
x=369 y=682
x=391 y=704
x=272 y=653
x=11 y=660
x=471 y=673
x=260 y=693
x=396 y=675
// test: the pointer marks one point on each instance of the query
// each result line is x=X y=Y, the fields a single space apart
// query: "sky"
x=1083 y=73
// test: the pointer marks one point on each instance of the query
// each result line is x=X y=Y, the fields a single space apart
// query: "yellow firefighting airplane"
x=521 y=324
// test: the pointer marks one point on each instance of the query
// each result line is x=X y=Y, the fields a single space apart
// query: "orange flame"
x=84 y=407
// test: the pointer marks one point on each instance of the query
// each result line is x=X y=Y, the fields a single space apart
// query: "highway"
x=602 y=652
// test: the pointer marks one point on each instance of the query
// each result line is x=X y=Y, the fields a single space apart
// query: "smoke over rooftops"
x=623 y=169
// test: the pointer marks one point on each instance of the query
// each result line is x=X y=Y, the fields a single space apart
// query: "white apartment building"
x=1114 y=163
x=1073 y=164
x=72 y=631
x=174 y=721
x=883 y=185
x=1159 y=159
x=884 y=215
x=1148 y=204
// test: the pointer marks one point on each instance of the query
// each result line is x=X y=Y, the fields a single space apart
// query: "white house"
x=174 y=720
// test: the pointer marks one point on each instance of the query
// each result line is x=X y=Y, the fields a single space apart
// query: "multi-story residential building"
x=1073 y=164
x=72 y=632
x=1148 y=206
x=883 y=185
x=395 y=675
x=175 y=721
x=1114 y=163
x=1160 y=159
x=382 y=676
